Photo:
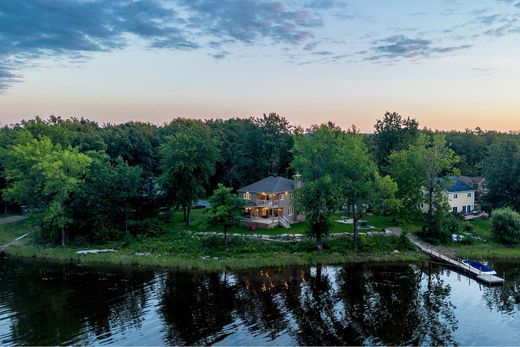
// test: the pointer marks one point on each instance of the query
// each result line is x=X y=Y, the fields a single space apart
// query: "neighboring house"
x=460 y=195
x=478 y=183
x=270 y=202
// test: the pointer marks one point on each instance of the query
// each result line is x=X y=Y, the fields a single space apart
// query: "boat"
x=483 y=268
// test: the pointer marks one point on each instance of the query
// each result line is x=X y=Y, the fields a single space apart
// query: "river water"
x=364 y=304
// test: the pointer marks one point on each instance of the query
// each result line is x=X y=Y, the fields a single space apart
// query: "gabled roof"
x=471 y=180
x=270 y=185
x=457 y=185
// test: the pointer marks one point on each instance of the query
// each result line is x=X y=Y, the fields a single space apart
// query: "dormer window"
x=247 y=196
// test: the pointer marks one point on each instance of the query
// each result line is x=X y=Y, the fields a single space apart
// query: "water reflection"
x=413 y=304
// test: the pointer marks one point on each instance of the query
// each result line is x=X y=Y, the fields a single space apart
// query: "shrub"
x=505 y=226
x=468 y=227
x=146 y=227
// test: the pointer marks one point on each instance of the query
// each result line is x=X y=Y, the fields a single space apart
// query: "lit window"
x=247 y=195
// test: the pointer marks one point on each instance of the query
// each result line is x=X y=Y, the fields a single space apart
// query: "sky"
x=449 y=64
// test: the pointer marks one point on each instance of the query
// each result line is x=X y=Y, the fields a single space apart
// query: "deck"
x=435 y=253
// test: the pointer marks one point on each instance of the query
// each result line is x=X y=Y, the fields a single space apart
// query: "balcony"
x=267 y=203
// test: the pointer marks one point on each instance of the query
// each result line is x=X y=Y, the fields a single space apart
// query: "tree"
x=315 y=158
x=43 y=176
x=384 y=200
x=226 y=208
x=355 y=174
x=418 y=170
x=317 y=198
x=393 y=133
x=502 y=172
x=102 y=202
x=505 y=225
x=337 y=169
x=188 y=158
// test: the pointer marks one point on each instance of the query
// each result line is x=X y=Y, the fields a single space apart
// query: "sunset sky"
x=449 y=64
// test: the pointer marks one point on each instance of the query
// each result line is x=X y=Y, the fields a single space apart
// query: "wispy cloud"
x=39 y=28
x=400 y=47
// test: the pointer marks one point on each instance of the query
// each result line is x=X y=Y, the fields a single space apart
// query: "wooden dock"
x=436 y=254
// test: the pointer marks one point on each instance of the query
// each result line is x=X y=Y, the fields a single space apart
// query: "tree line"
x=83 y=180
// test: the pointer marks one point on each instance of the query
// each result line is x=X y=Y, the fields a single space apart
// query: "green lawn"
x=482 y=228
x=9 y=232
x=197 y=224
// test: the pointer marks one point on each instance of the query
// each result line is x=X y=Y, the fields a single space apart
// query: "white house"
x=460 y=195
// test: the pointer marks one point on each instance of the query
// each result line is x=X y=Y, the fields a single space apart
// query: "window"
x=280 y=196
x=468 y=209
x=247 y=196
x=455 y=209
x=291 y=211
x=469 y=195
x=455 y=196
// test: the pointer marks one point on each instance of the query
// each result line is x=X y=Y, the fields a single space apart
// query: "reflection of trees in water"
x=258 y=300
x=352 y=305
x=196 y=307
x=318 y=306
x=58 y=304
x=506 y=298
x=438 y=321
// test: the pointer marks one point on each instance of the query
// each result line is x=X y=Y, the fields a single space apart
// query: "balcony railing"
x=267 y=203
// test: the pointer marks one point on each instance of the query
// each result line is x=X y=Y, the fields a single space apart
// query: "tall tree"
x=502 y=172
x=189 y=158
x=393 y=133
x=315 y=158
x=355 y=174
x=43 y=176
x=226 y=208
x=419 y=169
x=337 y=170
x=100 y=206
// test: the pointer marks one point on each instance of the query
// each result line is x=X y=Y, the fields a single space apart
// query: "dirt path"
x=17 y=242
x=8 y=220
x=11 y=219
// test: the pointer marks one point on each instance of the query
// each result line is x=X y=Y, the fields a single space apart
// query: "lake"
x=362 y=304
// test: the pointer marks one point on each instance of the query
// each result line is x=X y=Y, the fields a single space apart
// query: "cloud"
x=36 y=29
x=399 y=47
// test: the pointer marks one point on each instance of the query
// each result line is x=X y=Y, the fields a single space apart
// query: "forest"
x=90 y=182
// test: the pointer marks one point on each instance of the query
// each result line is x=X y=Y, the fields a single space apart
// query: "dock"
x=436 y=254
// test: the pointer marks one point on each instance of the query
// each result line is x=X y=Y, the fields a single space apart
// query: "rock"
x=396 y=251
x=205 y=257
x=143 y=254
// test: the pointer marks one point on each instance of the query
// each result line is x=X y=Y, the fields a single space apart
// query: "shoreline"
x=196 y=251
x=210 y=264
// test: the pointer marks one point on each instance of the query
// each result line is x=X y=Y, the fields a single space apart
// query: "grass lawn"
x=187 y=250
x=482 y=228
x=9 y=232
x=197 y=218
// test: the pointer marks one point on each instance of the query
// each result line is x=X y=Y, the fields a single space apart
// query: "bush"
x=146 y=227
x=505 y=226
x=468 y=227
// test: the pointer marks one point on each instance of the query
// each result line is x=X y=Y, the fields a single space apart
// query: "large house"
x=460 y=195
x=270 y=202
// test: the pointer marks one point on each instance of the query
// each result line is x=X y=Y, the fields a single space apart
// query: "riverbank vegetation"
x=136 y=184
x=192 y=250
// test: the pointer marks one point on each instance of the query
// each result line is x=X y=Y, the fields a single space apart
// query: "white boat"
x=483 y=268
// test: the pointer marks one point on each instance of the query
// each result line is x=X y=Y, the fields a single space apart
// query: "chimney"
x=297 y=181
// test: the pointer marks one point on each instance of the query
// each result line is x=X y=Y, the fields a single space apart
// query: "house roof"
x=270 y=185
x=458 y=185
x=471 y=180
